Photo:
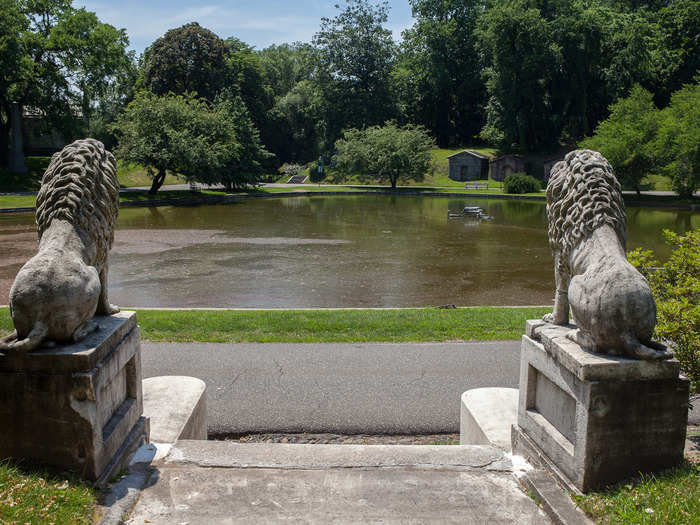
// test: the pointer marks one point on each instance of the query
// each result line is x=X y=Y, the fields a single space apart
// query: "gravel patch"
x=344 y=439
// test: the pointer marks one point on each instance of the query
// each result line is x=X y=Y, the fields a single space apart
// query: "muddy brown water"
x=333 y=251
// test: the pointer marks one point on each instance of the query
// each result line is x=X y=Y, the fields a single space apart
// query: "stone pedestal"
x=597 y=418
x=76 y=407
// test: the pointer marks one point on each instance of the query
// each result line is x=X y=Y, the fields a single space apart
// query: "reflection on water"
x=353 y=251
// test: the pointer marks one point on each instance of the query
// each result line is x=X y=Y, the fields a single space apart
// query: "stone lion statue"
x=58 y=291
x=611 y=302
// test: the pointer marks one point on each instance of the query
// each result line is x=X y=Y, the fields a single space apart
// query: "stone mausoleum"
x=504 y=165
x=468 y=165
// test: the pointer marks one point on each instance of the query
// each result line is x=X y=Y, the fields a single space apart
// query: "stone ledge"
x=588 y=366
x=227 y=454
x=555 y=502
x=76 y=357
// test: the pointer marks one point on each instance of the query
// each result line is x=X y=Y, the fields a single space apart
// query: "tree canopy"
x=626 y=137
x=386 y=153
x=55 y=59
x=354 y=59
x=188 y=59
x=180 y=133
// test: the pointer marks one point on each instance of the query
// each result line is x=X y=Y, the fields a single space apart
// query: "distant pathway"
x=387 y=388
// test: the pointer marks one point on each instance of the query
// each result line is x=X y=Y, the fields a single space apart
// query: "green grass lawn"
x=132 y=175
x=28 y=181
x=17 y=201
x=306 y=326
x=29 y=495
x=671 y=497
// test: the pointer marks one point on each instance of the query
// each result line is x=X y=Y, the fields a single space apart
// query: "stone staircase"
x=219 y=482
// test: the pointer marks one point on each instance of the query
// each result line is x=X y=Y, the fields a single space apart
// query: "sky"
x=257 y=22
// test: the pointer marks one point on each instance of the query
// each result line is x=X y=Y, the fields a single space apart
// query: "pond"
x=333 y=251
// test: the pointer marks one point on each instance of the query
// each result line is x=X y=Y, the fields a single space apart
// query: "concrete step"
x=211 y=482
x=487 y=415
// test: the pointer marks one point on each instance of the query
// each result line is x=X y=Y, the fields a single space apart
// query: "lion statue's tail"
x=33 y=340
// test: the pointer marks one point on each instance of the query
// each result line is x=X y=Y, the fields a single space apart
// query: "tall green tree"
x=626 y=138
x=245 y=78
x=296 y=124
x=185 y=60
x=386 y=153
x=355 y=53
x=438 y=73
x=67 y=59
x=245 y=167
x=516 y=41
x=294 y=127
x=677 y=147
x=285 y=65
x=13 y=24
x=679 y=34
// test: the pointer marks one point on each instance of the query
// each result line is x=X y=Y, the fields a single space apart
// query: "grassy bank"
x=306 y=326
x=29 y=495
x=668 y=497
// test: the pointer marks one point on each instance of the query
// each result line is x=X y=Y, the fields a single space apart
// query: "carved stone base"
x=598 y=418
x=76 y=406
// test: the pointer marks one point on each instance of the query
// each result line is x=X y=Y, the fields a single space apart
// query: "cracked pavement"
x=346 y=388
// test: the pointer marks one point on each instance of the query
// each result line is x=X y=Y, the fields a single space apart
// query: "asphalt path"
x=393 y=388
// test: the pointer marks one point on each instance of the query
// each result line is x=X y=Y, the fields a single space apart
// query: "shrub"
x=290 y=170
x=676 y=288
x=521 y=183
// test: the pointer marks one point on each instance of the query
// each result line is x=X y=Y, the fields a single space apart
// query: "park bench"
x=477 y=185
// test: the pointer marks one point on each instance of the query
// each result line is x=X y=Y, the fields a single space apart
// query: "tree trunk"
x=394 y=180
x=157 y=182
x=4 y=142
x=639 y=192
x=16 y=161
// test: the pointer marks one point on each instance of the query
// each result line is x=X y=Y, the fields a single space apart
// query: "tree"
x=386 y=153
x=180 y=133
x=286 y=65
x=437 y=76
x=246 y=165
x=184 y=60
x=516 y=41
x=295 y=131
x=677 y=147
x=626 y=137
x=355 y=53
x=63 y=58
x=13 y=23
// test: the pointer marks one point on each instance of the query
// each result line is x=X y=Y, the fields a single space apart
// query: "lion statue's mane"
x=582 y=195
x=58 y=291
x=81 y=186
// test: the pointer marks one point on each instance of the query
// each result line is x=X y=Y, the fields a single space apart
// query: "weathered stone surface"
x=588 y=366
x=176 y=406
x=76 y=357
x=311 y=457
x=487 y=415
x=221 y=482
x=72 y=407
x=599 y=419
x=611 y=301
x=58 y=291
